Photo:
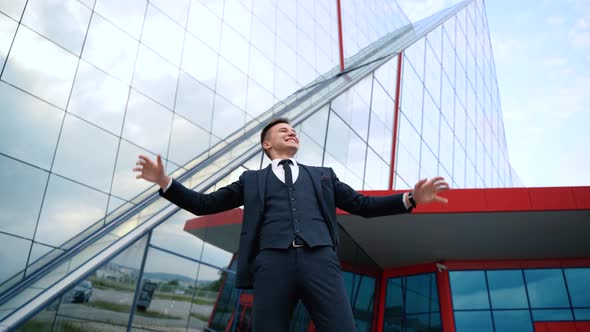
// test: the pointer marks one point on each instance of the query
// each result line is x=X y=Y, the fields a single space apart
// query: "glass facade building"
x=88 y=85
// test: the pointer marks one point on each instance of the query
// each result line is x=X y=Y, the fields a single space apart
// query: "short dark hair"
x=266 y=128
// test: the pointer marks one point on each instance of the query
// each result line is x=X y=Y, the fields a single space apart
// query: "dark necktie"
x=288 y=175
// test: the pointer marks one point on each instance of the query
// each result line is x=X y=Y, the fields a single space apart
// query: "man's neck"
x=282 y=156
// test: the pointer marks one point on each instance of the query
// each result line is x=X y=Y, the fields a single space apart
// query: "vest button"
x=294 y=209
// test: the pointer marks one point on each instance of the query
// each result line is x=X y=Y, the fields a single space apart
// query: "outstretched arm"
x=223 y=199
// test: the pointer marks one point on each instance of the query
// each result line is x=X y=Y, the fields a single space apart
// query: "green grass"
x=184 y=298
x=38 y=326
x=107 y=284
x=125 y=308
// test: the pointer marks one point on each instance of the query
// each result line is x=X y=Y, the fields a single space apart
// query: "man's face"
x=281 y=139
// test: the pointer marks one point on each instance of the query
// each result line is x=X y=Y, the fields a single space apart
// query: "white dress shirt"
x=280 y=171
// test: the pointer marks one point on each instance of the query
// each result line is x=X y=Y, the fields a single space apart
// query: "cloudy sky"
x=542 y=55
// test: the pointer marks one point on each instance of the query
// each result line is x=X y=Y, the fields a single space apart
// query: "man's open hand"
x=151 y=171
x=427 y=190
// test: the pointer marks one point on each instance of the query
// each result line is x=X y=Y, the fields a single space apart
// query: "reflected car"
x=82 y=292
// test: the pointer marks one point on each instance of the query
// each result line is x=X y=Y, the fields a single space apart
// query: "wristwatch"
x=411 y=199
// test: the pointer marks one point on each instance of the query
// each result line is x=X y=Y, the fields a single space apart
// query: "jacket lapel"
x=262 y=176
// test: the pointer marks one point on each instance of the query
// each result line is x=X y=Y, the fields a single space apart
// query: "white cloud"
x=553 y=61
x=419 y=9
x=555 y=20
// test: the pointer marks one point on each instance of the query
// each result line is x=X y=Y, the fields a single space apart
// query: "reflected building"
x=87 y=85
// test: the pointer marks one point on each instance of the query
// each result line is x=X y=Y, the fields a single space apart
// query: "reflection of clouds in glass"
x=258 y=99
x=15 y=259
x=232 y=84
x=204 y=25
x=128 y=14
x=125 y=185
x=194 y=101
x=170 y=235
x=155 y=77
x=21 y=201
x=99 y=98
x=64 y=22
x=187 y=141
x=7 y=31
x=110 y=49
x=68 y=209
x=40 y=67
x=199 y=61
x=163 y=35
x=13 y=8
x=234 y=48
x=177 y=9
x=469 y=290
x=546 y=288
x=29 y=128
x=226 y=118
x=147 y=124
x=86 y=154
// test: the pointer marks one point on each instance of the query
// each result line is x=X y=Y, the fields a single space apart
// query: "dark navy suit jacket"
x=249 y=191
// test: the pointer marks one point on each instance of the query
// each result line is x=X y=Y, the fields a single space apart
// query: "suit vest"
x=292 y=212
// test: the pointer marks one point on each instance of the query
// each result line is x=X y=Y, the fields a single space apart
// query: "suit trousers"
x=312 y=275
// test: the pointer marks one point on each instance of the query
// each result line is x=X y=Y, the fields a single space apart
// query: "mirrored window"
x=86 y=154
x=507 y=290
x=548 y=315
x=163 y=35
x=261 y=69
x=40 y=67
x=232 y=84
x=469 y=290
x=13 y=8
x=194 y=101
x=546 y=288
x=512 y=320
x=376 y=172
x=155 y=77
x=467 y=321
x=345 y=146
x=578 y=286
x=177 y=235
x=227 y=118
x=263 y=38
x=99 y=98
x=199 y=61
x=428 y=163
x=68 y=209
x=167 y=288
x=42 y=121
x=310 y=153
x=62 y=22
x=14 y=255
x=430 y=123
x=415 y=55
x=20 y=202
x=177 y=9
x=127 y=15
x=147 y=124
x=205 y=25
x=238 y=16
x=7 y=31
x=187 y=141
x=234 y=47
x=125 y=185
x=411 y=97
x=259 y=100
x=387 y=76
x=107 y=294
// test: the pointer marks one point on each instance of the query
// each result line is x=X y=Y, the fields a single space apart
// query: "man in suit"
x=289 y=234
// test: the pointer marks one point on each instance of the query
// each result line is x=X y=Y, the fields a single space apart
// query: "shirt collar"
x=275 y=162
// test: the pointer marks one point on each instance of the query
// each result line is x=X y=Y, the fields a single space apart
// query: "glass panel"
x=205 y=25
x=507 y=289
x=422 y=323
x=310 y=152
x=376 y=172
x=177 y=10
x=167 y=286
x=99 y=98
x=205 y=294
x=552 y=315
x=263 y=38
x=546 y=288
x=125 y=185
x=419 y=296
x=147 y=124
x=469 y=290
x=7 y=31
x=226 y=118
x=430 y=124
x=469 y=321
x=62 y=22
x=387 y=77
x=43 y=321
x=194 y=101
x=75 y=160
x=107 y=294
x=163 y=35
x=261 y=70
x=234 y=47
x=13 y=8
x=415 y=55
x=345 y=146
x=199 y=61
x=187 y=141
x=238 y=16
x=411 y=97
x=14 y=255
x=128 y=15
x=42 y=121
x=68 y=209
x=513 y=320
x=155 y=77
x=20 y=203
x=259 y=100
x=579 y=286
x=40 y=67
x=231 y=84
x=582 y=314
x=109 y=48
x=171 y=235
x=67 y=324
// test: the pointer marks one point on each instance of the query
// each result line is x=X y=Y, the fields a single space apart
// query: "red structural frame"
x=340 y=37
x=562 y=327
x=395 y=120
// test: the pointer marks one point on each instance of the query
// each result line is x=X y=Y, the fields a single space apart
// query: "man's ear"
x=266 y=145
